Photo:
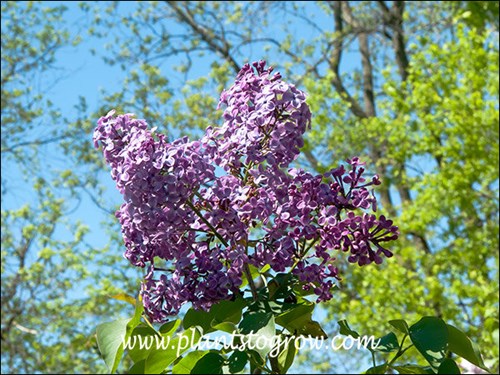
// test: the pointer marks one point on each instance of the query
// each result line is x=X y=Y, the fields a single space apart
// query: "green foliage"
x=227 y=313
x=256 y=343
x=435 y=340
x=461 y=345
x=256 y=325
x=110 y=337
x=298 y=320
x=389 y=343
x=430 y=337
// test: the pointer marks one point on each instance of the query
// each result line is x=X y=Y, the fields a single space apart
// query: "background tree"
x=53 y=289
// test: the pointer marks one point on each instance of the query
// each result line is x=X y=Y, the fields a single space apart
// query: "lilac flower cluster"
x=308 y=224
x=205 y=229
x=264 y=120
x=161 y=217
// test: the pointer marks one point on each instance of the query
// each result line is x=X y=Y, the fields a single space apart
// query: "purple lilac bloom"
x=196 y=232
x=264 y=120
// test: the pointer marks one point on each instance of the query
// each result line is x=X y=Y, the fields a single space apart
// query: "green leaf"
x=388 y=343
x=256 y=361
x=225 y=311
x=132 y=324
x=461 y=345
x=110 y=337
x=381 y=369
x=138 y=368
x=228 y=327
x=400 y=325
x=186 y=364
x=169 y=328
x=413 y=369
x=254 y=322
x=280 y=286
x=198 y=318
x=448 y=366
x=301 y=292
x=159 y=358
x=211 y=363
x=237 y=361
x=313 y=328
x=346 y=330
x=286 y=357
x=430 y=337
x=141 y=334
x=228 y=311
x=260 y=328
x=255 y=272
x=298 y=320
x=136 y=319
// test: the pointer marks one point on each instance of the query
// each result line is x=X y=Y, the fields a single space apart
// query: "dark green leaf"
x=256 y=360
x=461 y=345
x=199 y=318
x=381 y=369
x=211 y=363
x=228 y=327
x=169 y=327
x=237 y=361
x=264 y=305
x=346 y=330
x=260 y=328
x=138 y=368
x=448 y=366
x=400 y=325
x=228 y=311
x=255 y=321
x=413 y=369
x=280 y=286
x=388 y=343
x=298 y=320
x=430 y=337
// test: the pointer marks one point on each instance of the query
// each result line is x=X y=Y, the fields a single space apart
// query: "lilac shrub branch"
x=209 y=227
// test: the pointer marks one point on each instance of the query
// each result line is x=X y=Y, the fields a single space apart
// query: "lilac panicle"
x=264 y=120
x=196 y=231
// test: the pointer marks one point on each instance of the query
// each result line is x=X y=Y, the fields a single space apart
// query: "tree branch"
x=336 y=57
x=223 y=50
x=364 y=49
